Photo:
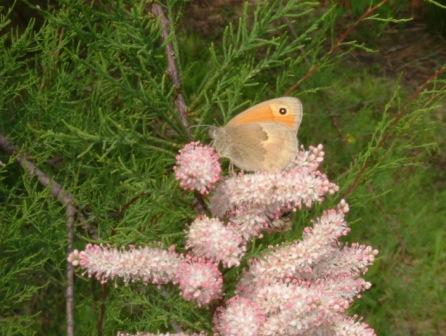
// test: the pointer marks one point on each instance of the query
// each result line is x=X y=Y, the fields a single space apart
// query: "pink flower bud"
x=197 y=167
x=210 y=238
x=240 y=317
x=310 y=159
x=199 y=280
x=120 y=333
x=347 y=326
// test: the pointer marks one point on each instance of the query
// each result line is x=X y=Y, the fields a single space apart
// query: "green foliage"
x=432 y=12
x=86 y=96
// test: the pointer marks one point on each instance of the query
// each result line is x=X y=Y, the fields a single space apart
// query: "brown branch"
x=67 y=200
x=386 y=136
x=335 y=123
x=64 y=197
x=430 y=79
x=312 y=70
x=118 y=214
x=369 y=11
x=201 y=206
x=172 y=69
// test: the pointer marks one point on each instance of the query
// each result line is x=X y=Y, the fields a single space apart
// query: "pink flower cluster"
x=197 y=168
x=150 y=265
x=168 y=334
x=291 y=294
x=210 y=238
x=199 y=280
x=301 y=288
x=298 y=259
x=241 y=316
x=253 y=203
x=310 y=159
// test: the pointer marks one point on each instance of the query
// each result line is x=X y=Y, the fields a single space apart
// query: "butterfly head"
x=219 y=139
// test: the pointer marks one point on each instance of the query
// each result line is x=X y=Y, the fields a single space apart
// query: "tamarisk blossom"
x=295 y=294
x=199 y=280
x=298 y=259
x=241 y=316
x=146 y=264
x=300 y=307
x=309 y=159
x=167 y=334
x=300 y=288
x=296 y=307
x=347 y=326
x=354 y=260
x=275 y=192
x=197 y=167
x=210 y=238
x=253 y=203
x=258 y=200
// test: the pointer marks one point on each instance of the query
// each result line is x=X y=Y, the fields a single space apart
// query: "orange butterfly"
x=263 y=137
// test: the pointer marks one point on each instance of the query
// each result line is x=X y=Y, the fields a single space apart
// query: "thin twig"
x=355 y=184
x=335 y=123
x=201 y=206
x=369 y=11
x=67 y=200
x=431 y=78
x=104 y=294
x=118 y=214
x=312 y=70
x=172 y=69
x=174 y=75
x=64 y=197
x=70 y=211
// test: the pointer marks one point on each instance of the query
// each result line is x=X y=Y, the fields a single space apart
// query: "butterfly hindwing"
x=261 y=146
x=281 y=146
x=245 y=149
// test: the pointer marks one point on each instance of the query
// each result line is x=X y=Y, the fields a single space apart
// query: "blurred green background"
x=84 y=93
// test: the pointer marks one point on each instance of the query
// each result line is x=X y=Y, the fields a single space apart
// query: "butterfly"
x=263 y=137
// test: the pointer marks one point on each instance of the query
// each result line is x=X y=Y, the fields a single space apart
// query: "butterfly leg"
x=231 y=169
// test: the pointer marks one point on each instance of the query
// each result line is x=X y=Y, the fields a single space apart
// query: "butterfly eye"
x=282 y=110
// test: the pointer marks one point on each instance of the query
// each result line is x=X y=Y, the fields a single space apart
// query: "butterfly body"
x=262 y=138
